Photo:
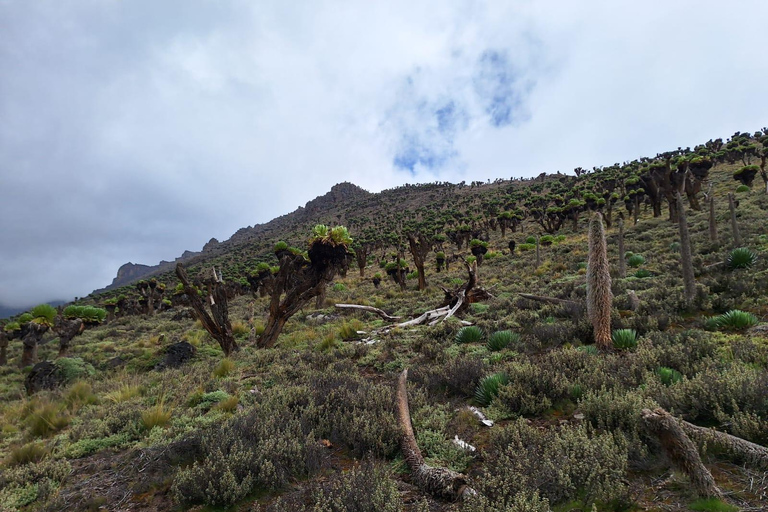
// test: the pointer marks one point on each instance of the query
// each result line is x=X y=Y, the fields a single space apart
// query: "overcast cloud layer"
x=133 y=130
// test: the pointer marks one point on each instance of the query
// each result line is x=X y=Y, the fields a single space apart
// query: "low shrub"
x=668 y=376
x=157 y=416
x=502 y=339
x=635 y=260
x=741 y=257
x=488 y=388
x=30 y=452
x=624 y=339
x=469 y=334
x=528 y=465
x=224 y=368
x=735 y=320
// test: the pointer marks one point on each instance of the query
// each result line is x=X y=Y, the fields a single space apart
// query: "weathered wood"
x=371 y=309
x=439 y=482
x=750 y=453
x=680 y=450
x=217 y=325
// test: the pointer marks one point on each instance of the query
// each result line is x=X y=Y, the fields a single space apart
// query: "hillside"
x=312 y=421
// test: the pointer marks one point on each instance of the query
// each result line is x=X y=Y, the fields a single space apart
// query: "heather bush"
x=561 y=464
x=35 y=481
x=469 y=334
x=531 y=391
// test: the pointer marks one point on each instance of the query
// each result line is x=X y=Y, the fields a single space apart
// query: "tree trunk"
x=712 y=223
x=217 y=323
x=272 y=330
x=689 y=282
x=745 y=452
x=3 y=349
x=67 y=329
x=320 y=299
x=734 y=223
x=28 y=351
x=680 y=450
x=439 y=482
x=538 y=253
x=599 y=295
x=622 y=261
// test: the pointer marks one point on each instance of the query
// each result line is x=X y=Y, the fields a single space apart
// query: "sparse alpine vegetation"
x=549 y=323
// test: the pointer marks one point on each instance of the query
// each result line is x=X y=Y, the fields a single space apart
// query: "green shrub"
x=560 y=465
x=44 y=418
x=642 y=273
x=469 y=334
x=157 y=416
x=589 y=349
x=713 y=504
x=80 y=394
x=412 y=275
x=12 y=326
x=635 y=260
x=338 y=287
x=228 y=404
x=668 y=376
x=527 y=246
x=624 y=339
x=240 y=330
x=224 y=368
x=25 y=318
x=531 y=240
x=73 y=368
x=488 y=388
x=44 y=313
x=735 y=320
x=742 y=188
x=30 y=452
x=365 y=488
x=348 y=329
x=501 y=339
x=741 y=257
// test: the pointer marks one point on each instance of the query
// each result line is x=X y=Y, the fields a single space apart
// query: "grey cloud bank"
x=131 y=131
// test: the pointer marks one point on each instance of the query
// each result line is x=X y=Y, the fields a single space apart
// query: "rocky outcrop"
x=339 y=194
x=129 y=273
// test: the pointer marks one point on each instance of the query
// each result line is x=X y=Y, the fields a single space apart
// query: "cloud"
x=131 y=131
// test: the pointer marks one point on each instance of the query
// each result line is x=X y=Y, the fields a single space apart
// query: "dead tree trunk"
x=749 y=453
x=439 y=482
x=680 y=450
x=217 y=323
x=370 y=309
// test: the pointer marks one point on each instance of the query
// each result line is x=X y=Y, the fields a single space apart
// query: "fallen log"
x=371 y=309
x=439 y=482
x=680 y=450
x=749 y=453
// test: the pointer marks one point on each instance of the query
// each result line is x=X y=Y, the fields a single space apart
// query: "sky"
x=132 y=130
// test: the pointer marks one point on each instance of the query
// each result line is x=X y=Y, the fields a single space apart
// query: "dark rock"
x=115 y=362
x=44 y=375
x=177 y=355
x=183 y=315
